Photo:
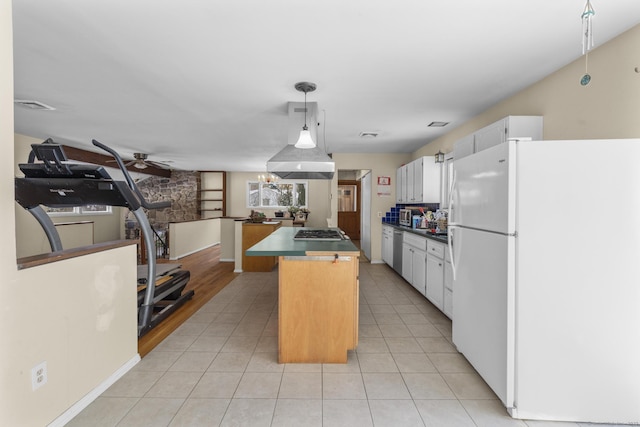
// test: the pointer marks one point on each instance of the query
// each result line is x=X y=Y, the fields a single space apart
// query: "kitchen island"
x=318 y=293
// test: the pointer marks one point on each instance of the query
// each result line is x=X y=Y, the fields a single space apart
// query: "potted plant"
x=305 y=212
x=293 y=210
x=257 y=217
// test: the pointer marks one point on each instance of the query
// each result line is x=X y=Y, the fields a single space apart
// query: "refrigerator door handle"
x=451 y=222
x=450 y=244
x=452 y=190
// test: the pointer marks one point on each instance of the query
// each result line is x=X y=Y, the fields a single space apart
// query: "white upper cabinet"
x=419 y=181
x=447 y=180
x=496 y=133
x=401 y=184
x=464 y=147
x=410 y=184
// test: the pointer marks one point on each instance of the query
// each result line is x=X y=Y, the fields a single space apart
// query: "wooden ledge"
x=36 y=260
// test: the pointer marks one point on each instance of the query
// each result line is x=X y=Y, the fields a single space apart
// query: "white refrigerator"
x=545 y=247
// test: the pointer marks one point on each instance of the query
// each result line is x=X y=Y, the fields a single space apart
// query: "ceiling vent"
x=438 y=124
x=368 y=134
x=33 y=105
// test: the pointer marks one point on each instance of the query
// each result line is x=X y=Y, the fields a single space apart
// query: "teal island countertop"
x=281 y=243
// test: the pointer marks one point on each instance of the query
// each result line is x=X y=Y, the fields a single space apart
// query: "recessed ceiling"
x=206 y=83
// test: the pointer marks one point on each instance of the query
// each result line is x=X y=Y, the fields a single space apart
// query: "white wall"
x=365 y=238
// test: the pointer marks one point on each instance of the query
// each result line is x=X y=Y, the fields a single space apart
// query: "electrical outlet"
x=380 y=214
x=38 y=376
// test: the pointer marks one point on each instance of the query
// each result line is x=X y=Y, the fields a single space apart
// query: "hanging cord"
x=324 y=142
x=587 y=39
x=586 y=63
x=324 y=129
x=305 y=111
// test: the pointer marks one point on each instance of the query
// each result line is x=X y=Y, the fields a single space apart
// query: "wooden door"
x=349 y=208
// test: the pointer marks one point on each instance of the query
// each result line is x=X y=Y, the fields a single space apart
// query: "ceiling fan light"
x=140 y=165
x=305 y=141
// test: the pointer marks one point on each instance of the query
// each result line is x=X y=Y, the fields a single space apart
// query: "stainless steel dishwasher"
x=397 y=250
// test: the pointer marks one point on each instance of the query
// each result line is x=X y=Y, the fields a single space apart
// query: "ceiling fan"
x=140 y=162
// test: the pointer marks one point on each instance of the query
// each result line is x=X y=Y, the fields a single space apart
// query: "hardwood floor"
x=208 y=277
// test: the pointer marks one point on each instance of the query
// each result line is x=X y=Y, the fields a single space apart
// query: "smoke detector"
x=33 y=105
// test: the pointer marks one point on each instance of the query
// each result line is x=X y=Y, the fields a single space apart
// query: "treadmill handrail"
x=130 y=181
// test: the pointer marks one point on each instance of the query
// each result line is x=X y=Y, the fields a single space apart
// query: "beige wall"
x=380 y=165
x=29 y=234
x=78 y=315
x=609 y=107
x=237 y=198
x=188 y=237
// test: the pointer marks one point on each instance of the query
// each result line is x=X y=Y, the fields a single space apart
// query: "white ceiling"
x=205 y=83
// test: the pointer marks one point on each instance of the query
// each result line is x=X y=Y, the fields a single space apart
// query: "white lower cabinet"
x=435 y=273
x=426 y=266
x=387 y=245
x=448 y=287
x=435 y=281
x=414 y=261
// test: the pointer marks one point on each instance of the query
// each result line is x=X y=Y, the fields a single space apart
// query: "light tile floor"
x=220 y=369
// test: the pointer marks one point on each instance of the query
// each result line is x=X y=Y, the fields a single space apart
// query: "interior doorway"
x=349 y=202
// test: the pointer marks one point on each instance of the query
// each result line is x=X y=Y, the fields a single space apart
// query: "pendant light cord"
x=305 y=111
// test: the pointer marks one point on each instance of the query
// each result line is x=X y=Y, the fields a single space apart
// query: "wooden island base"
x=318 y=307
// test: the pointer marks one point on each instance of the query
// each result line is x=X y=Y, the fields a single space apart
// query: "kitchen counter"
x=419 y=232
x=281 y=243
x=318 y=293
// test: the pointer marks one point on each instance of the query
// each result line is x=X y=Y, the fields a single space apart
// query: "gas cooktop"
x=321 y=234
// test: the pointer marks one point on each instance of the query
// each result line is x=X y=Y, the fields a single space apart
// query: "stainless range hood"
x=299 y=163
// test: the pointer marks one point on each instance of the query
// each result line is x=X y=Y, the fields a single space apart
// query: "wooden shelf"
x=212 y=181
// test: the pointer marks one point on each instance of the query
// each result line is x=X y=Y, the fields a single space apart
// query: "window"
x=279 y=194
x=79 y=210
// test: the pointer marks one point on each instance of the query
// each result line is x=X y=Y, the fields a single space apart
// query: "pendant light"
x=305 y=141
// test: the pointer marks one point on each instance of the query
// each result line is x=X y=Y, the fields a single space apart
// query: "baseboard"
x=193 y=251
x=81 y=404
x=377 y=261
x=227 y=260
x=237 y=270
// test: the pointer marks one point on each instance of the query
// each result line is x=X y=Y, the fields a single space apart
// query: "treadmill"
x=56 y=182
